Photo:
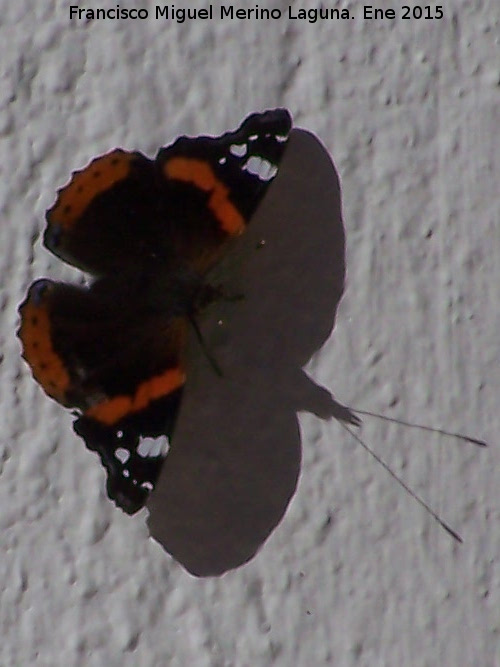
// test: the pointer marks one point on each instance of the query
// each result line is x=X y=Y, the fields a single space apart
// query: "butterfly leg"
x=211 y=359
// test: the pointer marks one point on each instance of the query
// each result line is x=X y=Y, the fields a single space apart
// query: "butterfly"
x=148 y=232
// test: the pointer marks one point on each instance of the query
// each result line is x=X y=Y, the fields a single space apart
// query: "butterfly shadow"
x=235 y=460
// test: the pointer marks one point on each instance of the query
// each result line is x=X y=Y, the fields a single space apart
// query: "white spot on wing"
x=126 y=473
x=147 y=485
x=239 y=150
x=261 y=168
x=222 y=160
x=281 y=138
x=153 y=446
x=122 y=454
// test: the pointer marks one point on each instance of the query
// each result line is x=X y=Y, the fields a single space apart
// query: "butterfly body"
x=148 y=231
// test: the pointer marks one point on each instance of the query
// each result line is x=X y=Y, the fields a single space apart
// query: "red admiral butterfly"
x=148 y=231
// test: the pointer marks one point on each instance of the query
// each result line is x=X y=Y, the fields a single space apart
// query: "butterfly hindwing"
x=123 y=208
x=86 y=353
x=126 y=380
x=148 y=231
x=106 y=216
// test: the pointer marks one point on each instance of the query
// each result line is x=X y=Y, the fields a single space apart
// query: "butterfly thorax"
x=148 y=231
x=159 y=289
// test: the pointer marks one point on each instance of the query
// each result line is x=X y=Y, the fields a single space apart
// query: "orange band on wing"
x=98 y=176
x=47 y=367
x=112 y=410
x=198 y=172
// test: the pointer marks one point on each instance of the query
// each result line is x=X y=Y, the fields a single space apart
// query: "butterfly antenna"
x=203 y=346
x=419 y=500
x=449 y=434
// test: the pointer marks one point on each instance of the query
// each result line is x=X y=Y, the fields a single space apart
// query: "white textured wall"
x=356 y=573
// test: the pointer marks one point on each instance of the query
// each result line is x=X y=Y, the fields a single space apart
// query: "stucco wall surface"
x=356 y=573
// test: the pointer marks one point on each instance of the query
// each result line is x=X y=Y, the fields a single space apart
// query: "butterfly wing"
x=133 y=450
x=148 y=230
x=124 y=209
x=228 y=176
x=104 y=217
x=123 y=373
